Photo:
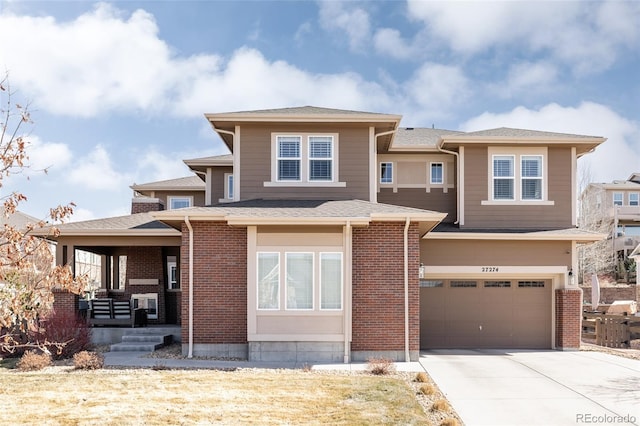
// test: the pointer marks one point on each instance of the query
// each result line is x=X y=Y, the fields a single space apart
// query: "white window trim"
x=310 y=159
x=283 y=282
x=258 y=308
x=300 y=158
x=227 y=196
x=637 y=200
x=621 y=198
x=171 y=198
x=518 y=153
x=540 y=178
x=304 y=162
x=431 y=182
x=512 y=178
x=389 y=163
x=320 y=282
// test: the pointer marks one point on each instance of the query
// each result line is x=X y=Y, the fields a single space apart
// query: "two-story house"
x=337 y=235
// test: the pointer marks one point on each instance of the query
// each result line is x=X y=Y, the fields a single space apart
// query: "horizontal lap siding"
x=491 y=253
x=378 y=288
x=255 y=163
x=476 y=190
x=218 y=183
x=198 y=196
x=219 y=283
x=436 y=200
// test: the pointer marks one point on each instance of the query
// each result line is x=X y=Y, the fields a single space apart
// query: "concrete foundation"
x=220 y=350
x=396 y=356
x=296 y=351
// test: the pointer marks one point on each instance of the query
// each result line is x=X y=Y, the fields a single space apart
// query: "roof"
x=307 y=111
x=417 y=137
x=299 y=212
x=140 y=224
x=447 y=231
x=187 y=183
x=18 y=220
x=200 y=165
x=509 y=132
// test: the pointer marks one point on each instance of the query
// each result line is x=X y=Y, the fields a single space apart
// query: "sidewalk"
x=136 y=359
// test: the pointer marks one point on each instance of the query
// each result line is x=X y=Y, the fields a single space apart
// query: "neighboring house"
x=614 y=209
x=337 y=235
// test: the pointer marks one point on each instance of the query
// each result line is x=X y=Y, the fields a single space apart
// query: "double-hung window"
x=289 y=158
x=320 y=158
x=634 y=200
x=386 y=172
x=617 y=198
x=437 y=170
x=531 y=177
x=503 y=177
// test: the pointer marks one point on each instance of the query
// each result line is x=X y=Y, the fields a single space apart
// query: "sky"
x=117 y=90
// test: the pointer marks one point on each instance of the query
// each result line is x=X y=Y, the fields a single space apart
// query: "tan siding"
x=492 y=253
x=555 y=216
x=198 y=196
x=255 y=162
x=217 y=187
x=436 y=200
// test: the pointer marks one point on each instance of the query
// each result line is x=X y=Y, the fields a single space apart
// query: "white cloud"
x=526 y=79
x=389 y=41
x=80 y=214
x=617 y=158
x=96 y=172
x=345 y=17
x=154 y=166
x=589 y=36
x=47 y=155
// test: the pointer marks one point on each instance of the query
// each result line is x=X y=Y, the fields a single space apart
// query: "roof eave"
x=504 y=236
x=305 y=118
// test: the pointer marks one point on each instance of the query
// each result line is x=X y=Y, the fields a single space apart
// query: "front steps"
x=141 y=340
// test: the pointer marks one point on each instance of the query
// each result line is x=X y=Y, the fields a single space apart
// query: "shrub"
x=32 y=360
x=160 y=366
x=440 y=405
x=422 y=377
x=427 y=389
x=449 y=421
x=63 y=334
x=380 y=366
x=86 y=360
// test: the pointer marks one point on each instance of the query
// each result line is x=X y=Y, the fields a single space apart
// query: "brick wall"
x=219 y=283
x=65 y=302
x=568 y=318
x=142 y=205
x=378 y=287
x=145 y=263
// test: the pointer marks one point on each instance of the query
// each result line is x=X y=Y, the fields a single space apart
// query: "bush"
x=440 y=405
x=63 y=334
x=380 y=366
x=88 y=361
x=422 y=377
x=427 y=389
x=449 y=421
x=32 y=360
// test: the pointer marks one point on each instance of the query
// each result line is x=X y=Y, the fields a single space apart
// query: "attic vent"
x=409 y=128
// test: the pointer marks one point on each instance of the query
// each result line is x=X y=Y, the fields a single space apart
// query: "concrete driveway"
x=505 y=387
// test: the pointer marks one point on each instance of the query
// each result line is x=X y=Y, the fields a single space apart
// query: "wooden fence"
x=613 y=331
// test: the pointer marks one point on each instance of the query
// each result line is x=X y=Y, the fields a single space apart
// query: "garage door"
x=496 y=313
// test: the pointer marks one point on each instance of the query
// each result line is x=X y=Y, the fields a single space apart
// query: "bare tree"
x=28 y=275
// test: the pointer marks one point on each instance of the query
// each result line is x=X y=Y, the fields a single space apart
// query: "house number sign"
x=489 y=269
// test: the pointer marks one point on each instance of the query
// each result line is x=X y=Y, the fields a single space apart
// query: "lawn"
x=61 y=395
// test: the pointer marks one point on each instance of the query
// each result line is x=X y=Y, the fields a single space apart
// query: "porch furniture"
x=115 y=312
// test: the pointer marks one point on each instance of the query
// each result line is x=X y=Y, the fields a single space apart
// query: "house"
x=614 y=209
x=335 y=235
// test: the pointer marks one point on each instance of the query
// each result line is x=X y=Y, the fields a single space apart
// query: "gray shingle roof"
x=140 y=223
x=419 y=137
x=448 y=229
x=304 y=110
x=523 y=133
x=18 y=220
x=183 y=183
x=211 y=159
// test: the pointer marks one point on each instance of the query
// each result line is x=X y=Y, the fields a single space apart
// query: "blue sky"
x=118 y=89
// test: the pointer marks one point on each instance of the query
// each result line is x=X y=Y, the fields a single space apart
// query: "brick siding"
x=219 y=283
x=145 y=263
x=146 y=206
x=378 y=287
x=568 y=318
x=65 y=302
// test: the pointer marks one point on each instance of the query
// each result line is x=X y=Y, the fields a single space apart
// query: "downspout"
x=441 y=149
x=407 y=357
x=190 y=352
x=347 y=294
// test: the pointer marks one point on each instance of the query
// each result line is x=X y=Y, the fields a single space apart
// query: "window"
x=289 y=157
x=299 y=280
x=530 y=284
x=147 y=301
x=503 y=177
x=437 y=173
x=173 y=282
x=229 y=194
x=497 y=284
x=617 y=198
x=633 y=199
x=330 y=280
x=431 y=283
x=462 y=284
x=320 y=158
x=179 y=202
x=386 y=172
x=531 y=177
x=268 y=281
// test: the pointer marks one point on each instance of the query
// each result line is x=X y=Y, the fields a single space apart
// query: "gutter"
x=190 y=352
x=407 y=357
x=458 y=195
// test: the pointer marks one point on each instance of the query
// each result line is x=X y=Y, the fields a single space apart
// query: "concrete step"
x=135 y=347
x=147 y=338
x=142 y=342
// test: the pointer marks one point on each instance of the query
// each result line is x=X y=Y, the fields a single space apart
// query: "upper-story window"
x=386 y=172
x=180 y=202
x=617 y=198
x=634 y=199
x=229 y=192
x=517 y=176
x=437 y=173
x=304 y=159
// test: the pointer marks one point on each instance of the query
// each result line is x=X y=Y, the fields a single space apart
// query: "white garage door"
x=496 y=313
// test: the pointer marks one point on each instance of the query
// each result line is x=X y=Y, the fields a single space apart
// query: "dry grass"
x=137 y=396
